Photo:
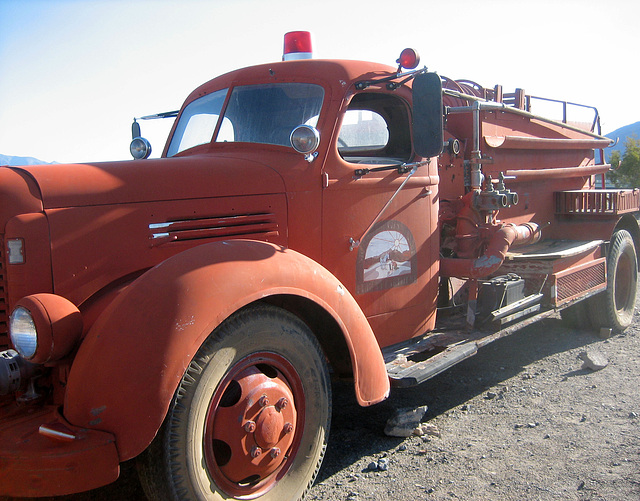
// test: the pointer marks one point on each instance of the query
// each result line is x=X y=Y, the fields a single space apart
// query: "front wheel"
x=614 y=307
x=250 y=418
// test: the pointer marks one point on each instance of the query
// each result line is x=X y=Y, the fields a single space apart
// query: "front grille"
x=585 y=279
x=4 y=314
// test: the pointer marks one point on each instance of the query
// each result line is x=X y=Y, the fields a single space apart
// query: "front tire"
x=250 y=417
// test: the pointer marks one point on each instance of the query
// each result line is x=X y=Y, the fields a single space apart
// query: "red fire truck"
x=308 y=219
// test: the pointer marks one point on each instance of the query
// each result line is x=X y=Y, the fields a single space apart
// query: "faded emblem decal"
x=386 y=258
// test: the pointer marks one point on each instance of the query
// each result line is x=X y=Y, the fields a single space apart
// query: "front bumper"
x=42 y=455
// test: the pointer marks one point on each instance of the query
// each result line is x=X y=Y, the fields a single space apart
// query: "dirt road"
x=519 y=421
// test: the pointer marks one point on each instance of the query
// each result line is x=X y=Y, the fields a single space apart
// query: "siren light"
x=297 y=45
x=409 y=59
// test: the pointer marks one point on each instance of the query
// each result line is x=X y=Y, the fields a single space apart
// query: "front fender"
x=133 y=358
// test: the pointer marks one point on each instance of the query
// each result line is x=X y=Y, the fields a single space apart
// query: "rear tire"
x=250 y=418
x=614 y=307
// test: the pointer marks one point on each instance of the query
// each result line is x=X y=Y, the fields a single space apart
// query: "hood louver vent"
x=237 y=226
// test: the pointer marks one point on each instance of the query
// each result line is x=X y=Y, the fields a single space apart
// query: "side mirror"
x=427 y=115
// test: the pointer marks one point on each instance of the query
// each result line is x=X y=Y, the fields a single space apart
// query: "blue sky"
x=74 y=73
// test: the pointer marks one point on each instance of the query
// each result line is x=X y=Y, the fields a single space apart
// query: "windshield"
x=255 y=114
x=268 y=113
x=197 y=122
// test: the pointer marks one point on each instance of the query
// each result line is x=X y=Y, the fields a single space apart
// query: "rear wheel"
x=250 y=418
x=614 y=307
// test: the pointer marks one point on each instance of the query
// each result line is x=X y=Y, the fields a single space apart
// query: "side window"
x=375 y=129
x=363 y=129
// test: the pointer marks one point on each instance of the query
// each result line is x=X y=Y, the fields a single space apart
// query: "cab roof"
x=329 y=73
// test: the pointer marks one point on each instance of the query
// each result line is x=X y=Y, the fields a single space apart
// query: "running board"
x=404 y=372
x=412 y=362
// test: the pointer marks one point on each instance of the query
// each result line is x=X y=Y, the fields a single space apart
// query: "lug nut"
x=282 y=403
x=249 y=427
x=288 y=428
x=256 y=451
x=275 y=452
x=264 y=401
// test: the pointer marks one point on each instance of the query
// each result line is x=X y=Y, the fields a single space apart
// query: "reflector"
x=408 y=59
x=15 y=251
x=297 y=45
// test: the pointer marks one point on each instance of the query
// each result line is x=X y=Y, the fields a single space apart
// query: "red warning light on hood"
x=297 y=45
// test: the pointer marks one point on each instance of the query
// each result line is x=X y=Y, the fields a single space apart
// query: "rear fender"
x=133 y=358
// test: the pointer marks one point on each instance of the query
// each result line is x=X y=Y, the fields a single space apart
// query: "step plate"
x=404 y=372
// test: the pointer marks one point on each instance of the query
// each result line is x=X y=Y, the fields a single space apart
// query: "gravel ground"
x=519 y=421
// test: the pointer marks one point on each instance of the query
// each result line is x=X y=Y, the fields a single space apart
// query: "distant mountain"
x=621 y=134
x=9 y=160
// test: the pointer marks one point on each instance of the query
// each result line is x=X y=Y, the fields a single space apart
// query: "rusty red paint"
x=88 y=461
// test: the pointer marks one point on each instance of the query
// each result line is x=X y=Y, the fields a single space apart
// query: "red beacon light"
x=409 y=59
x=297 y=45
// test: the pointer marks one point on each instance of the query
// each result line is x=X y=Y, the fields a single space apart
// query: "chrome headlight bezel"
x=23 y=332
x=305 y=139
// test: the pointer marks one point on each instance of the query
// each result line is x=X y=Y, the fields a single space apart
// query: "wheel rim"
x=254 y=425
x=623 y=283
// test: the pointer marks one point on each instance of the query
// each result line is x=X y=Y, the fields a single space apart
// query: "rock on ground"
x=593 y=359
x=405 y=422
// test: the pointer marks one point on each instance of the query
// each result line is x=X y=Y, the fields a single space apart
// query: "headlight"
x=23 y=332
x=45 y=328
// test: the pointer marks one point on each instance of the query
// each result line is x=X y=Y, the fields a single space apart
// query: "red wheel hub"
x=251 y=431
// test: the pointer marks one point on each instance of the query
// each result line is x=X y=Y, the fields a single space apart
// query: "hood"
x=132 y=181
